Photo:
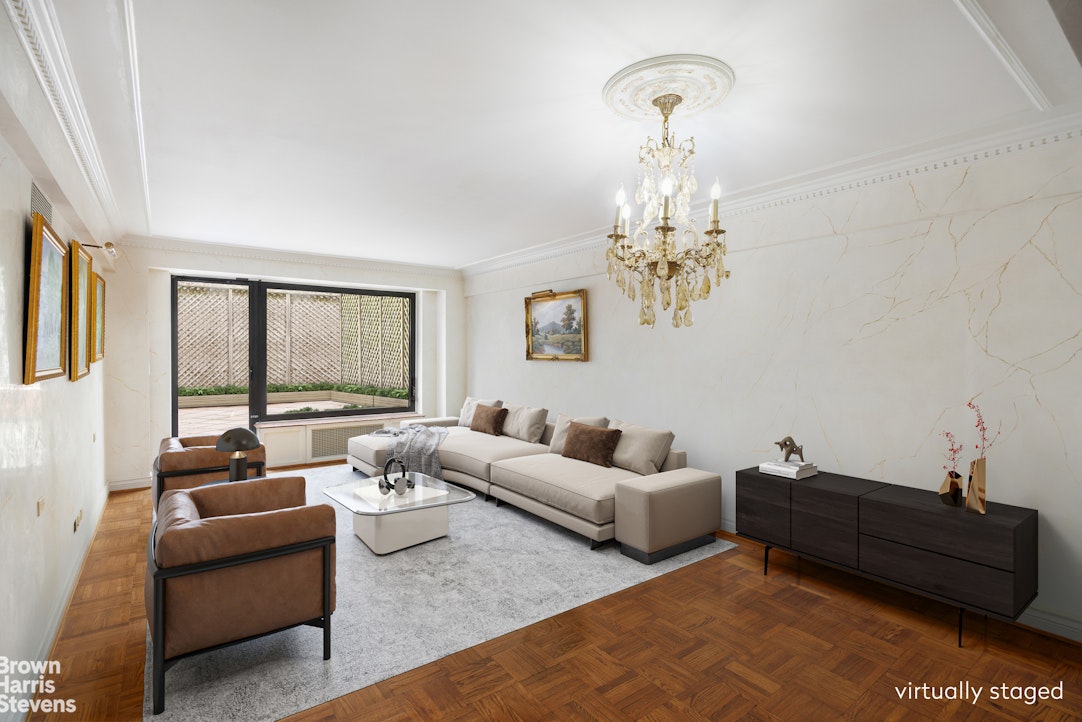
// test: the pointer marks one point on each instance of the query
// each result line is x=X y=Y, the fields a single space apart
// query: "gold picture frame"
x=82 y=307
x=97 y=339
x=47 y=304
x=556 y=326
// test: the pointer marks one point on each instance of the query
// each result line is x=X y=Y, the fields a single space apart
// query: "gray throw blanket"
x=415 y=446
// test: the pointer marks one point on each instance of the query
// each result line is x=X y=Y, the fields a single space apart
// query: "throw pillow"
x=488 y=419
x=525 y=423
x=641 y=450
x=465 y=416
x=591 y=443
x=559 y=433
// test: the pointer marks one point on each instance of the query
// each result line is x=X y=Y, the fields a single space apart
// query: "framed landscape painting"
x=98 y=338
x=82 y=306
x=47 y=304
x=556 y=326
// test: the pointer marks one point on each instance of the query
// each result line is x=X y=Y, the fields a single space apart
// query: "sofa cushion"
x=640 y=449
x=559 y=433
x=465 y=416
x=590 y=443
x=524 y=422
x=576 y=487
x=488 y=419
x=471 y=452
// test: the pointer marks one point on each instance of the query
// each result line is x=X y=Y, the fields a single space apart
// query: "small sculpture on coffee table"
x=789 y=446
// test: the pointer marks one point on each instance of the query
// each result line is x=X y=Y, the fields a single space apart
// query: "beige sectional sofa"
x=648 y=500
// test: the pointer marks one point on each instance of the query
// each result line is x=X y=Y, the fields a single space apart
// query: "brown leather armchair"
x=227 y=563
x=186 y=462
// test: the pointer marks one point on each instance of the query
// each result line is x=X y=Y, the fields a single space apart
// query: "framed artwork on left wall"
x=47 y=304
x=82 y=306
x=98 y=337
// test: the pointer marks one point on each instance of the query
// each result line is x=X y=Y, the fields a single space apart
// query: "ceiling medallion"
x=700 y=81
x=681 y=269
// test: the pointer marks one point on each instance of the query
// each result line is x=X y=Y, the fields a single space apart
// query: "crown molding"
x=39 y=33
x=897 y=163
x=161 y=244
x=137 y=104
x=882 y=167
x=542 y=252
x=987 y=29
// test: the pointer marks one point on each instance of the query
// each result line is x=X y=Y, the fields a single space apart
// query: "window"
x=248 y=351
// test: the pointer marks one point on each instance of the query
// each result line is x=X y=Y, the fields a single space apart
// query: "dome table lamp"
x=238 y=441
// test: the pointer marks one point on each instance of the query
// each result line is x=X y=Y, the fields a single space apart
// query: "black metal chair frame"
x=161 y=664
x=259 y=466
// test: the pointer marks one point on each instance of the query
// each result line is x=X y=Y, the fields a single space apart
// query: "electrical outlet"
x=41 y=505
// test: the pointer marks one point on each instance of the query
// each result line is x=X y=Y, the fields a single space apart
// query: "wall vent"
x=40 y=204
x=330 y=442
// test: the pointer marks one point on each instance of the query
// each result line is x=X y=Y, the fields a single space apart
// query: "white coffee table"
x=389 y=522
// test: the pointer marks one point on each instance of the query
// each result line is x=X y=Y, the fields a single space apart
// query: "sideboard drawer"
x=965 y=582
x=1003 y=538
x=825 y=512
x=825 y=525
x=762 y=507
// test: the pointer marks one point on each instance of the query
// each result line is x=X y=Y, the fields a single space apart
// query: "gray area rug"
x=500 y=569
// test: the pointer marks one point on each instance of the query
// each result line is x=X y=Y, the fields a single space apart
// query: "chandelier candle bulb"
x=715 y=194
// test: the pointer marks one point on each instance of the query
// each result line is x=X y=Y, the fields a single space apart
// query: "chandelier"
x=672 y=260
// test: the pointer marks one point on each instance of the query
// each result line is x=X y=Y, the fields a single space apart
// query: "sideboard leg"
x=766 y=559
x=961 y=613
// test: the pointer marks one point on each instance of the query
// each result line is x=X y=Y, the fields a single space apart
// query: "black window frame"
x=257 y=347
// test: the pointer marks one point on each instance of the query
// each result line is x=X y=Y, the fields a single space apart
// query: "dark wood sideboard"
x=903 y=536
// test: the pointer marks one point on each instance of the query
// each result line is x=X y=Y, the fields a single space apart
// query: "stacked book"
x=789 y=469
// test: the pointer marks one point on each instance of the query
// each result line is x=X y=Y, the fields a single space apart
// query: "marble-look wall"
x=137 y=389
x=861 y=322
x=51 y=448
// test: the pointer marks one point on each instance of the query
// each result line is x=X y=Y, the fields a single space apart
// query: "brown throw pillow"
x=488 y=419
x=590 y=443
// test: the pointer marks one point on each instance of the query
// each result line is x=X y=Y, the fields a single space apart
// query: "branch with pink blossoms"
x=954 y=449
x=982 y=429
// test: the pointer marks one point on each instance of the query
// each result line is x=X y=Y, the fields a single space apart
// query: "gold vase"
x=950 y=492
x=975 y=501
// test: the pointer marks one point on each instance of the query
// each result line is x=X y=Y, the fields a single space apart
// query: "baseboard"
x=53 y=625
x=1052 y=623
x=48 y=642
x=144 y=483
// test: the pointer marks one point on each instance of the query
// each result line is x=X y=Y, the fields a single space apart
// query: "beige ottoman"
x=368 y=453
x=661 y=515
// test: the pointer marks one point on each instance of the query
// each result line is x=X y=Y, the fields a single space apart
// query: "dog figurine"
x=789 y=446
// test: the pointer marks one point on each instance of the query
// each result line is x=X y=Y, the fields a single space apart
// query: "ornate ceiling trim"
x=137 y=105
x=824 y=183
x=973 y=12
x=39 y=32
x=700 y=81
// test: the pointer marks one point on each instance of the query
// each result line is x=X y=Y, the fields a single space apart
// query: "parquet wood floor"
x=716 y=640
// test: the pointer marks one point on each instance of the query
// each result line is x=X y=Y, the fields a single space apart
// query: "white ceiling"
x=449 y=133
